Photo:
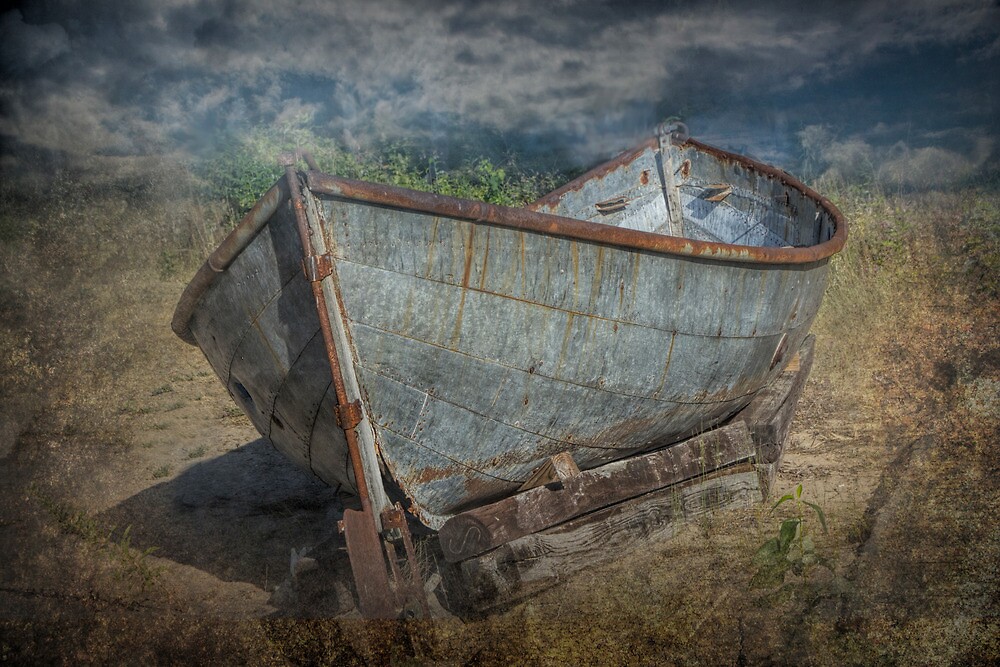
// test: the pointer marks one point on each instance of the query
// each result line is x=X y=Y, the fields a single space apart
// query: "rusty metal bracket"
x=394 y=519
x=317 y=267
x=348 y=415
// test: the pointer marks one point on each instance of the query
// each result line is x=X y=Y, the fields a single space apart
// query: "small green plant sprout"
x=793 y=549
x=197 y=452
x=133 y=564
x=161 y=472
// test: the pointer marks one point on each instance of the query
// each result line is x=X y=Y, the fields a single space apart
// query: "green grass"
x=197 y=452
x=130 y=564
x=231 y=412
x=162 y=471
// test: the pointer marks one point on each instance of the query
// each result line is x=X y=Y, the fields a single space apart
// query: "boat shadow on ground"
x=238 y=516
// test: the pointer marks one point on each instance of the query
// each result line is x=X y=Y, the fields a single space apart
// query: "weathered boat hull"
x=482 y=340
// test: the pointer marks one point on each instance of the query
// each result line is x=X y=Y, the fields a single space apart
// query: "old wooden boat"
x=642 y=303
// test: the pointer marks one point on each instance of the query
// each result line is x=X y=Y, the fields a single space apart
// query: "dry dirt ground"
x=143 y=520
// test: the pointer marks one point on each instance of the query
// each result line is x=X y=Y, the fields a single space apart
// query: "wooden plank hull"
x=483 y=348
x=526 y=562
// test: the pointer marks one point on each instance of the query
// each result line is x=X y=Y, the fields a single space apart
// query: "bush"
x=243 y=167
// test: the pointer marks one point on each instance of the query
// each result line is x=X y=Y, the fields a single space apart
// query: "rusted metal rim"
x=528 y=219
x=223 y=256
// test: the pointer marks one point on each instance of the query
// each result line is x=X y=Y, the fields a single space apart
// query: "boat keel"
x=378 y=596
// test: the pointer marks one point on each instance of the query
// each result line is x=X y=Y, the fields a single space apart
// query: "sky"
x=810 y=86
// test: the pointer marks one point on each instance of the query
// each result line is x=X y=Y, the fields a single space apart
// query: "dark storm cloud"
x=143 y=76
x=24 y=48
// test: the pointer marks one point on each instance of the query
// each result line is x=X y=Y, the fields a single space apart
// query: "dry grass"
x=907 y=380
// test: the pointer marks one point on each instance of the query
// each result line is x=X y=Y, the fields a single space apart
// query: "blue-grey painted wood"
x=259 y=330
x=478 y=350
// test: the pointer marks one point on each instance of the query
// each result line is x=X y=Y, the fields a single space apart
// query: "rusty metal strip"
x=335 y=315
x=397 y=576
x=582 y=230
x=223 y=256
x=361 y=531
x=298 y=206
x=393 y=518
x=375 y=595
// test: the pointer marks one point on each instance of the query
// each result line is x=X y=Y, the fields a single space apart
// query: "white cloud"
x=833 y=159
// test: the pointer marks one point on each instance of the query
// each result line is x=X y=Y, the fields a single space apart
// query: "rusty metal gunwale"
x=225 y=254
x=526 y=219
x=556 y=225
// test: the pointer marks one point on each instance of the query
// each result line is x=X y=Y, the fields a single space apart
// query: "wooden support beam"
x=555 y=469
x=717 y=192
x=671 y=191
x=523 y=562
x=535 y=562
x=375 y=597
x=478 y=530
x=769 y=414
x=767 y=472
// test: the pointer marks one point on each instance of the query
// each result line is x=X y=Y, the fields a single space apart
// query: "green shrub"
x=243 y=167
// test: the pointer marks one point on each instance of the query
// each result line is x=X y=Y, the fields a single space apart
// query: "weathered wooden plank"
x=769 y=414
x=478 y=530
x=375 y=596
x=299 y=395
x=329 y=458
x=335 y=314
x=566 y=409
x=227 y=311
x=689 y=295
x=532 y=563
x=671 y=190
x=268 y=350
x=767 y=472
x=649 y=362
x=555 y=469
